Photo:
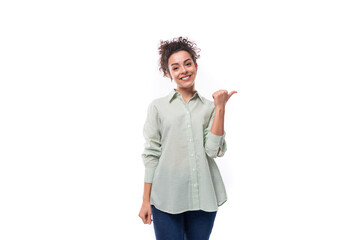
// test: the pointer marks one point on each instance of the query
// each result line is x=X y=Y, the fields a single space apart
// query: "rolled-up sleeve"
x=213 y=142
x=152 y=146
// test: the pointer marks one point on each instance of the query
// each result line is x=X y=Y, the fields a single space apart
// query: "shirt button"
x=195 y=185
x=188 y=125
x=190 y=139
x=194 y=169
x=192 y=154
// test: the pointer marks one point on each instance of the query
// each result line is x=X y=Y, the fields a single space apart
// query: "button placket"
x=192 y=159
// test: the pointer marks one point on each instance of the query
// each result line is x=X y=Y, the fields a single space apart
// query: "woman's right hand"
x=145 y=213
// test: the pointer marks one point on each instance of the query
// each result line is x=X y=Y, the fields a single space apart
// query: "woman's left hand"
x=221 y=97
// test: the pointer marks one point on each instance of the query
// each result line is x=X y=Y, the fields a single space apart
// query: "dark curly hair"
x=167 y=48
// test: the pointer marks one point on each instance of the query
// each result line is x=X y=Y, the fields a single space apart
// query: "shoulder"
x=157 y=103
x=208 y=103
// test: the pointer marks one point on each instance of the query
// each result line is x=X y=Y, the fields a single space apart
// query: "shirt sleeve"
x=213 y=142
x=152 y=146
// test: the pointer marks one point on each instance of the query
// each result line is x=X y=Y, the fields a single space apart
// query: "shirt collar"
x=174 y=93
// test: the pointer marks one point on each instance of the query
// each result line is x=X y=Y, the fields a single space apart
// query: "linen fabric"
x=179 y=153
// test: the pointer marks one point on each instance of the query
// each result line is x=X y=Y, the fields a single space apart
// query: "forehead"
x=179 y=57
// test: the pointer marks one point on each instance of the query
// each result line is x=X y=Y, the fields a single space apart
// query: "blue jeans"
x=190 y=225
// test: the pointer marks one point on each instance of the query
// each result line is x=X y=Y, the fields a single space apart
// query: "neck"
x=186 y=92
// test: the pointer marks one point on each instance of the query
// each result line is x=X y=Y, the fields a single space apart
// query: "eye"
x=188 y=64
x=175 y=69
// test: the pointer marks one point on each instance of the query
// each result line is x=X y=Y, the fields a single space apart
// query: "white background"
x=76 y=80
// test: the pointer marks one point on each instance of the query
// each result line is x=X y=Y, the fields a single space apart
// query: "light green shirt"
x=179 y=154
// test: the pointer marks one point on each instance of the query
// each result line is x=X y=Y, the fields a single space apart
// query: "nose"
x=183 y=70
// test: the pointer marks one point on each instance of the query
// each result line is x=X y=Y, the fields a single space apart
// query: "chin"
x=187 y=85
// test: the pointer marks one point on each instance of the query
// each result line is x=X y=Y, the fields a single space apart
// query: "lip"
x=189 y=76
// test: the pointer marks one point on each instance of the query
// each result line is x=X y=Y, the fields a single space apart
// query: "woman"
x=184 y=132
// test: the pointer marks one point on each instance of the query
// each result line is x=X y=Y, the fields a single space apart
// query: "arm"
x=152 y=146
x=214 y=135
x=145 y=211
x=150 y=156
x=217 y=127
x=147 y=191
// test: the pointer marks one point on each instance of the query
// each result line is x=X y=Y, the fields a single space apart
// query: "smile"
x=185 y=78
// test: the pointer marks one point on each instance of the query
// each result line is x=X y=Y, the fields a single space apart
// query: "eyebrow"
x=178 y=64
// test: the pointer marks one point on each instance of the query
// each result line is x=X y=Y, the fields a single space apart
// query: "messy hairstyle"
x=167 y=48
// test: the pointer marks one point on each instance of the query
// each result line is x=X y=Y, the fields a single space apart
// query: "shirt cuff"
x=215 y=141
x=149 y=174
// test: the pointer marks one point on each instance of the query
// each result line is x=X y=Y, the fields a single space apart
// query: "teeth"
x=186 y=78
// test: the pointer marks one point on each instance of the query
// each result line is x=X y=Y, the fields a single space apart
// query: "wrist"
x=220 y=108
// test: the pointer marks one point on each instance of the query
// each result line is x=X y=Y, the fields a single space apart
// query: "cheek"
x=194 y=72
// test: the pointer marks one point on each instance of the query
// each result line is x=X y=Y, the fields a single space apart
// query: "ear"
x=196 y=65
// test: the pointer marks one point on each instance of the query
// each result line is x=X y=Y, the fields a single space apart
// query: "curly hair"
x=167 y=48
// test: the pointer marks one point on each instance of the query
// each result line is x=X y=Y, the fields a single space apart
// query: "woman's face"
x=182 y=69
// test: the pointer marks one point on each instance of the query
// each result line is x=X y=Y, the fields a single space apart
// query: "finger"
x=150 y=214
x=217 y=92
x=143 y=219
x=148 y=219
x=231 y=93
